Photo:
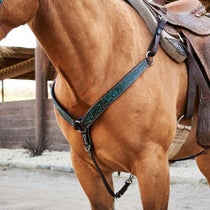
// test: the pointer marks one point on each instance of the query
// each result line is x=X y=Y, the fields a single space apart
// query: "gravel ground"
x=24 y=185
x=186 y=171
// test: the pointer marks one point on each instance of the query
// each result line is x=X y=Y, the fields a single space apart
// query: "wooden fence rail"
x=17 y=125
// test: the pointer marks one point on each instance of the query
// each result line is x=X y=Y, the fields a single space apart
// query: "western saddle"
x=186 y=37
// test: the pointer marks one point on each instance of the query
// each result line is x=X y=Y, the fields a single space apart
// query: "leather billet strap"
x=192 y=92
x=153 y=48
x=83 y=124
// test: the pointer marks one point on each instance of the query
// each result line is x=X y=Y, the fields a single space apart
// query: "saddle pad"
x=170 y=44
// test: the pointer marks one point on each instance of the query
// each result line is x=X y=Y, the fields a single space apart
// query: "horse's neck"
x=88 y=41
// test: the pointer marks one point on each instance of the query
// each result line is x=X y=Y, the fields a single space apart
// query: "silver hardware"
x=130 y=179
x=149 y=58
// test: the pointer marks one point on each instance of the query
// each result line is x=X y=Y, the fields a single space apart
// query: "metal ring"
x=149 y=58
x=1 y=2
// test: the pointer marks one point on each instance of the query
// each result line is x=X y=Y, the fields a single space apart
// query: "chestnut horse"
x=93 y=44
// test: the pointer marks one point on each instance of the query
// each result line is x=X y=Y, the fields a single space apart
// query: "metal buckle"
x=79 y=126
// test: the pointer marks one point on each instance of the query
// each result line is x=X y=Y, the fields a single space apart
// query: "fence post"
x=2 y=90
x=41 y=95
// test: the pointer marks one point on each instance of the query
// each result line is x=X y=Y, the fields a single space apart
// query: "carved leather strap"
x=102 y=104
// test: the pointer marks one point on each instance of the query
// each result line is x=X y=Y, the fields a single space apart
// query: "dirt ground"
x=50 y=190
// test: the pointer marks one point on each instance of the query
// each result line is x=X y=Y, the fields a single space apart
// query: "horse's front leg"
x=152 y=171
x=92 y=184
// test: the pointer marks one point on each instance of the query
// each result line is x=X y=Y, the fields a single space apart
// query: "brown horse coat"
x=92 y=45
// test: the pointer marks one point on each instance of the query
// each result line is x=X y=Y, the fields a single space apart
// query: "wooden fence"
x=17 y=125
